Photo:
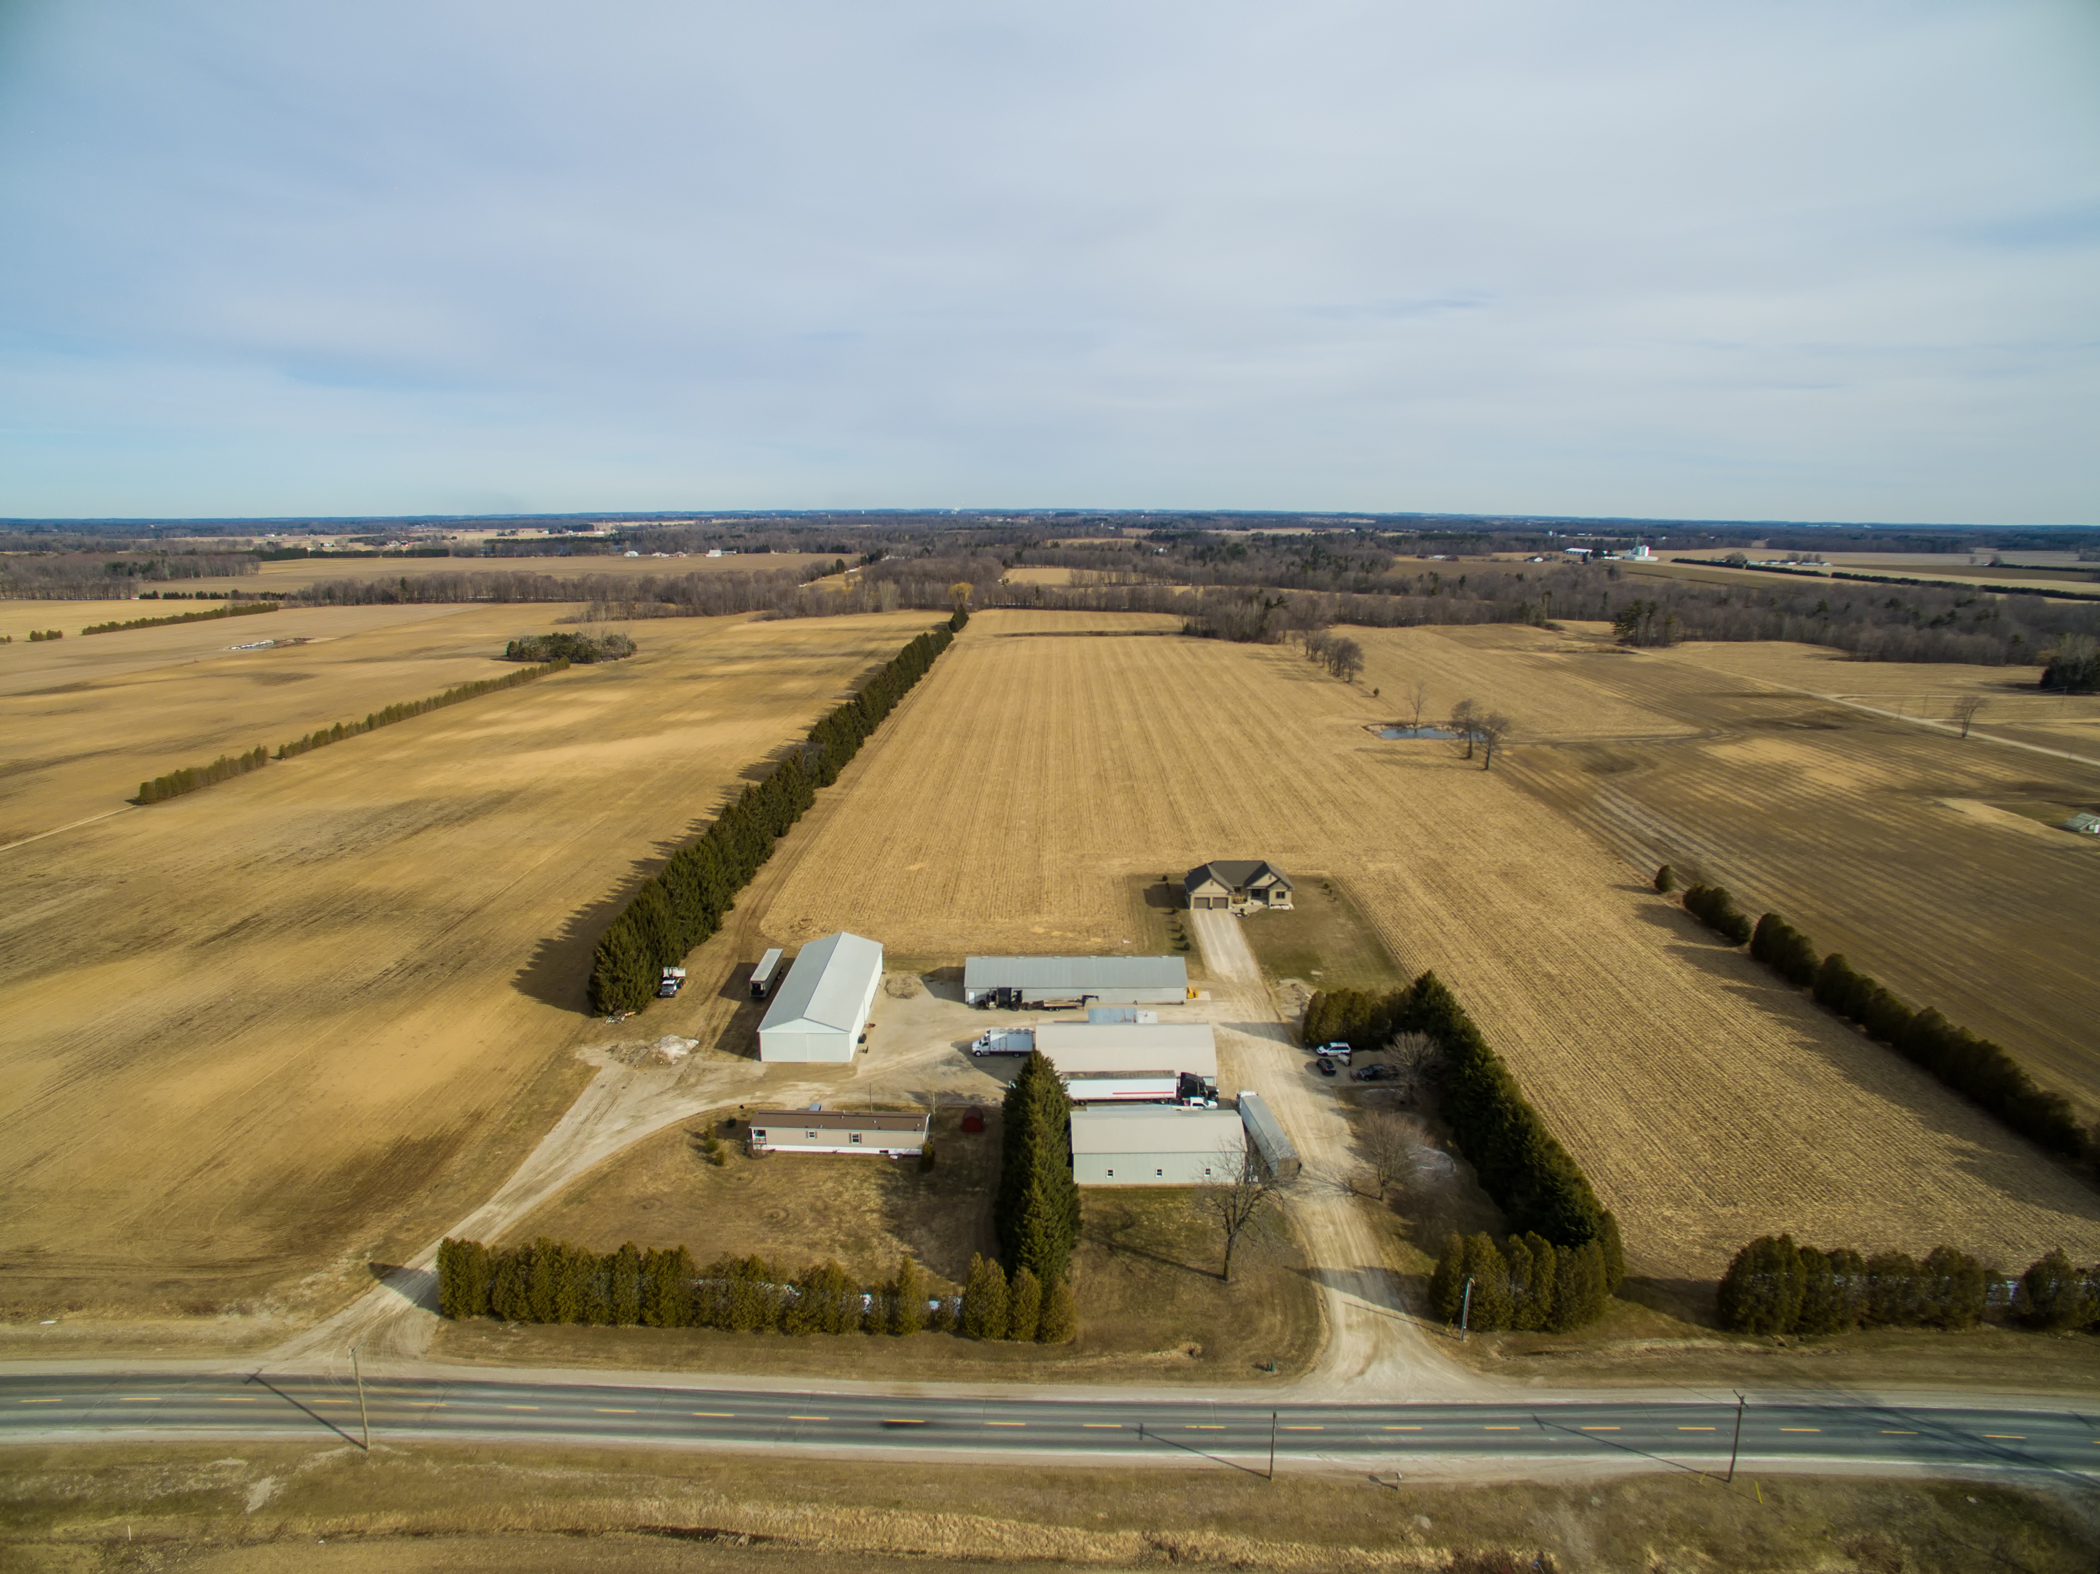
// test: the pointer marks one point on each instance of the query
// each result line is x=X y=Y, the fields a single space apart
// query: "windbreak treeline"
x=684 y=904
x=1533 y=1179
x=374 y=720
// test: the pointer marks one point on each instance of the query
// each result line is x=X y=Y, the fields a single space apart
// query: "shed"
x=1236 y=885
x=1017 y=981
x=819 y=1011
x=2084 y=824
x=837 y=1131
x=1080 y=1048
x=1266 y=1132
x=1155 y=1145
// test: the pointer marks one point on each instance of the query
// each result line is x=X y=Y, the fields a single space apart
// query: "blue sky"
x=1737 y=260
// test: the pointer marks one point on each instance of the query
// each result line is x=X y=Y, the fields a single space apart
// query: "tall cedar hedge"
x=685 y=903
x=1532 y=1178
x=1526 y=1283
x=1715 y=908
x=1776 y=1287
x=1037 y=1210
x=1974 y=1067
x=552 y=1281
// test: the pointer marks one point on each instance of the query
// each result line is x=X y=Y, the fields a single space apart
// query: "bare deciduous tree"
x=1345 y=659
x=1492 y=728
x=1418 y=701
x=1416 y=1056
x=1965 y=710
x=1465 y=723
x=1388 y=1139
x=1241 y=1189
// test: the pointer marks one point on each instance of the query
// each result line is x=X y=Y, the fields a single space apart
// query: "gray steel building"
x=1025 y=981
x=1155 y=1145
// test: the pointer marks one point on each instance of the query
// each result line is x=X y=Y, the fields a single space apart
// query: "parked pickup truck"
x=1004 y=1041
x=672 y=981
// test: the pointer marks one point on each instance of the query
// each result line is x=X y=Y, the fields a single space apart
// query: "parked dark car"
x=1377 y=1073
x=1324 y=1066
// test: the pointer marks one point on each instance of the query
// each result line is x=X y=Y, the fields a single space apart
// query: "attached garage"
x=820 y=1011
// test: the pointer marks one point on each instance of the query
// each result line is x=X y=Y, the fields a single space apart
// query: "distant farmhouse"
x=2084 y=824
x=1236 y=885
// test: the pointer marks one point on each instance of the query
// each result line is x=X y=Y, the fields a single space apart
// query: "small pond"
x=1416 y=732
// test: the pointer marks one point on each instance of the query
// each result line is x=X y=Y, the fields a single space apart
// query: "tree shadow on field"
x=558 y=972
x=1983 y=1149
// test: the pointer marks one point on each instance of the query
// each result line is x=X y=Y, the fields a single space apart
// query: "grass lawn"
x=1322 y=940
x=1161 y=920
x=1151 y=1305
x=425 y=1506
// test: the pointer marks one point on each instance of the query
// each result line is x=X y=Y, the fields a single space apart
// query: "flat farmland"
x=251 y=1036
x=1927 y=860
x=302 y=573
x=1050 y=759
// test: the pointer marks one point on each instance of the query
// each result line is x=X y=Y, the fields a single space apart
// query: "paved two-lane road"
x=1691 y=1434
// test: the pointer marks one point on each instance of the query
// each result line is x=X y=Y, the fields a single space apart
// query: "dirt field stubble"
x=252 y=1037
x=261 y=1509
x=1049 y=760
x=1152 y=1308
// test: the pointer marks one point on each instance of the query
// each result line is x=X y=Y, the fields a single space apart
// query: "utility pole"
x=1465 y=1312
x=363 y=1416
x=1735 y=1447
x=1272 y=1445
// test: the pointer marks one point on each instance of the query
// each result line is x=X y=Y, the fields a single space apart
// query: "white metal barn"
x=1155 y=1145
x=819 y=1011
x=1077 y=1048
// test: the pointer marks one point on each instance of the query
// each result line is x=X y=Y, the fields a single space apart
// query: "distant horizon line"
x=1332 y=518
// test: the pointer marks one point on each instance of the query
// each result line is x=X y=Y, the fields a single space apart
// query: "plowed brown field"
x=1050 y=758
x=253 y=1034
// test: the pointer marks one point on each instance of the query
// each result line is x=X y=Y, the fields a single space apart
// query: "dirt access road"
x=1375 y=1349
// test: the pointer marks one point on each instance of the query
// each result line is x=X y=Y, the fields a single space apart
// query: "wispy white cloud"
x=1760 y=260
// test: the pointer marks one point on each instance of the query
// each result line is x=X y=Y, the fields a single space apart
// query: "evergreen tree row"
x=232 y=609
x=1037 y=1209
x=1979 y=1070
x=1532 y=1178
x=224 y=768
x=684 y=904
x=578 y=649
x=386 y=718
x=1776 y=1287
x=1020 y=1309
x=552 y=1281
x=1715 y=908
x=1527 y=1283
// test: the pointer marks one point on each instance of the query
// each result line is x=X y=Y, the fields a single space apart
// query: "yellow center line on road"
x=596 y=1410
x=39 y=1401
x=238 y=1399
x=903 y=1421
x=517 y=1407
x=140 y=1399
x=1599 y=1429
x=1103 y=1426
x=1885 y=1432
x=2006 y=1437
x=717 y=1415
x=1006 y=1423
x=1305 y=1429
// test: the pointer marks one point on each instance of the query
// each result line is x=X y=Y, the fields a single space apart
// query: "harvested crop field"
x=253 y=1035
x=1052 y=757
